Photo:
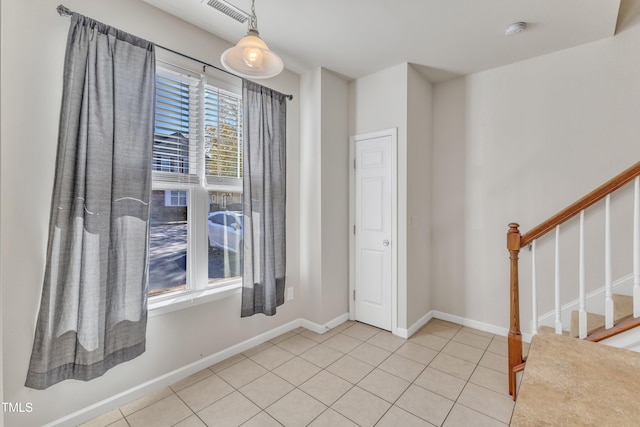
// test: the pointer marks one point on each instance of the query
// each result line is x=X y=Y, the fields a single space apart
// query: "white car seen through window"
x=225 y=231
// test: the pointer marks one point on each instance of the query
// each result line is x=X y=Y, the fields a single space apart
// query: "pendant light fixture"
x=251 y=58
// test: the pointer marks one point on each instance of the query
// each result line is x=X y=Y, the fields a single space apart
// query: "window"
x=196 y=210
x=175 y=198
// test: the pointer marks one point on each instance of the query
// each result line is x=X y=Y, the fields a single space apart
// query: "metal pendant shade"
x=251 y=57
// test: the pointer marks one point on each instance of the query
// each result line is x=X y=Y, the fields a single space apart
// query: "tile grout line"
x=410 y=382
x=264 y=374
x=374 y=367
x=352 y=385
x=294 y=386
x=323 y=369
x=461 y=390
x=478 y=385
x=187 y=405
x=468 y=380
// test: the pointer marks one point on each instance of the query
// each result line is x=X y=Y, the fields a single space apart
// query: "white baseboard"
x=321 y=329
x=434 y=314
x=481 y=326
x=406 y=333
x=165 y=380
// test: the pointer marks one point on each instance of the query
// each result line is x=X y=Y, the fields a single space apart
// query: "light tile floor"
x=354 y=375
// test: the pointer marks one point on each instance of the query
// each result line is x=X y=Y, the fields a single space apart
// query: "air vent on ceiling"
x=228 y=9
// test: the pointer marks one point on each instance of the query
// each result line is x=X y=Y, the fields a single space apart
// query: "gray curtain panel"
x=93 y=310
x=264 y=199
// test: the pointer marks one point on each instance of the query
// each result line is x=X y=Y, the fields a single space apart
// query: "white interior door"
x=374 y=222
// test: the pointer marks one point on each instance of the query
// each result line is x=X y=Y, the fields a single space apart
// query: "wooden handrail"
x=588 y=200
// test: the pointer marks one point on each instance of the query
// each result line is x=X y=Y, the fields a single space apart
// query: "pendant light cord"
x=253 y=23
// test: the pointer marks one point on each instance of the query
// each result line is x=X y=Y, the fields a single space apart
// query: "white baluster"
x=636 y=248
x=608 y=272
x=582 y=311
x=557 y=283
x=534 y=291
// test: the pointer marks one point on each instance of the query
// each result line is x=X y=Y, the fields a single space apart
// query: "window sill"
x=166 y=304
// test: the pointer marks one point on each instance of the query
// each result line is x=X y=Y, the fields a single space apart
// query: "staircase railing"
x=516 y=241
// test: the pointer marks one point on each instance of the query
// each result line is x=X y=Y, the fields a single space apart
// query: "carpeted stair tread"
x=622 y=304
x=550 y=330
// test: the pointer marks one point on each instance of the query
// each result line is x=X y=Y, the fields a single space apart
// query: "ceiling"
x=445 y=38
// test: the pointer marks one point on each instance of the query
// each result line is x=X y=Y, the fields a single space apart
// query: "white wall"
x=311 y=197
x=1 y=292
x=419 y=177
x=324 y=154
x=335 y=196
x=449 y=198
x=379 y=101
x=517 y=144
x=33 y=45
x=399 y=97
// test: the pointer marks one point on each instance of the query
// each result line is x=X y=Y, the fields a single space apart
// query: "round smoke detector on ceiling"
x=515 y=28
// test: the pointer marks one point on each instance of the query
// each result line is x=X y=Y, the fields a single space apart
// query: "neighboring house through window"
x=196 y=209
x=175 y=198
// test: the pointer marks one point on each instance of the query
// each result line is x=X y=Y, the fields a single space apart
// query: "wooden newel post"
x=515 y=337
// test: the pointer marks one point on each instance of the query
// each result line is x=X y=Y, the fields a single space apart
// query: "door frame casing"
x=393 y=133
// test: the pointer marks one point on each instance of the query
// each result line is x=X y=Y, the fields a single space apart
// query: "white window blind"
x=177 y=127
x=198 y=131
x=223 y=136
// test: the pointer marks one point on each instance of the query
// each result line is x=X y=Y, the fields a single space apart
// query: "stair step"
x=549 y=330
x=594 y=321
x=574 y=382
x=623 y=306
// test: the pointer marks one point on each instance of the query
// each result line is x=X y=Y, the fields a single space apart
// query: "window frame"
x=177 y=194
x=199 y=289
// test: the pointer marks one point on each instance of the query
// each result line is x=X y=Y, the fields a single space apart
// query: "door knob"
x=385 y=242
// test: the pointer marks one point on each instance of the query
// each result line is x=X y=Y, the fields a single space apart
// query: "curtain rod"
x=66 y=12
